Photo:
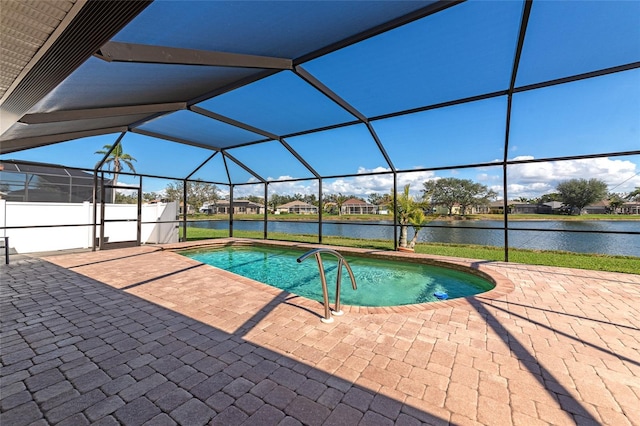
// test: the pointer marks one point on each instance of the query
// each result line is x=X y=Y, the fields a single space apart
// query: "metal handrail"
x=325 y=293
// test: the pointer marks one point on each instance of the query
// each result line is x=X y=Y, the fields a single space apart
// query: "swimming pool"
x=380 y=282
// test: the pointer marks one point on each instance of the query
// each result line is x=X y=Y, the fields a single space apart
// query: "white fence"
x=33 y=239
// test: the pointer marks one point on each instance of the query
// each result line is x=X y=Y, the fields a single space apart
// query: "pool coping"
x=502 y=285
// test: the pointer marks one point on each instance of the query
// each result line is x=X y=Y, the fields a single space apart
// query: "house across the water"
x=299 y=207
x=356 y=206
x=239 y=207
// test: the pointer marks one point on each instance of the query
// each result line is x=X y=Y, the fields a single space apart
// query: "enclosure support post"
x=139 y=225
x=6 y=250
x=184 y=209
x=102 y=210
x=95 y=211
x=505 y=207
x=526 y=12
x=266 y=218
x=395 y=211
x=320 y=208
x=231 y=210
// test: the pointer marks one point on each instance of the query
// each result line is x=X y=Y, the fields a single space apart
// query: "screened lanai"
x=288 y=108
x=320 y=98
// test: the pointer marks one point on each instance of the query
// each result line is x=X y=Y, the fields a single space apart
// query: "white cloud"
x=382 y=184
x=361 y=186
x=525 y=180
x=534 y=179
x=127 y=192
x=304 y=187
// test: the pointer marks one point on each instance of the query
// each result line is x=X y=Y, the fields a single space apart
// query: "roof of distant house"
x=355 y=202
x=296 y=203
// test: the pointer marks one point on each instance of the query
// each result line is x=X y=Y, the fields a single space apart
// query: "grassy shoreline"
x=626 y=264
x=378 y=217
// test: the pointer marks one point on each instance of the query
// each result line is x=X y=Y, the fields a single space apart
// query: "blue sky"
x=464 y=51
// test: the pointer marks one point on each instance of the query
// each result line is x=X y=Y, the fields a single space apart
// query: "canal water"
x=465 y=232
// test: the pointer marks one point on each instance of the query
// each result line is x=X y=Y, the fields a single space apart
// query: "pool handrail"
x=325 y=293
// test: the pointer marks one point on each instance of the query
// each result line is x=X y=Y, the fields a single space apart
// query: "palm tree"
x=339 y=200
x=409 y=212
x=634 y=195
x=417 y=220
x=116 y=159
x=615 y=202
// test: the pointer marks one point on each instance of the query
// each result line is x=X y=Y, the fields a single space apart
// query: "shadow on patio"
x=78 y=351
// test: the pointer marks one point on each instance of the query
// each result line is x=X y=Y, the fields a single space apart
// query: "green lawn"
x=596 y=262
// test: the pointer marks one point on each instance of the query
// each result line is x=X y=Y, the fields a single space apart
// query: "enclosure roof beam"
x=201 y=165
x=299 y=158
x=114 y=51
x=514 y=73
x=100 y=163
x=94 y=113
x=232 y=122
x=383 y=151
x=577 y=77
x=37 y=141
x=174 y=139
x=306 y=76
x=199 y=145
x=318 y=85
x=526 y=13
x=245 y=167
x=575 y=157
x=233 y=85
x=252 y=129
x=435 y=7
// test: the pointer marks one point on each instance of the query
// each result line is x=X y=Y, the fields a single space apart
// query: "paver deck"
x=146 y=336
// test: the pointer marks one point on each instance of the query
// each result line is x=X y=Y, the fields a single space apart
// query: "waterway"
x=465 y=232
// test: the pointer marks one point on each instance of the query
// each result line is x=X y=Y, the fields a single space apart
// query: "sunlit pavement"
x=146 y=336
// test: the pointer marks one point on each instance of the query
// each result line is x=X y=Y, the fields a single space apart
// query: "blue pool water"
x=380 y=282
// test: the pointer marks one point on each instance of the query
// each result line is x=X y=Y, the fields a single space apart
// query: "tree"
x=148 y=197
x=409 y=213
x=579 y=193
x=116 y=159
x=474 y=194
x=198 y=192
x=277 y=200
x=546 y=198
x=634 y=195
x=255 y=199
x=339 y=200
x=448 y=192
x=174 y=191
x=311 y=199
x=615 y=202
x=126 y=199
x=417 y=220
x=379 y=199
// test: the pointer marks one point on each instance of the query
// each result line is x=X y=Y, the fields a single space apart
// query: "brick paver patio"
x=146 y=336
